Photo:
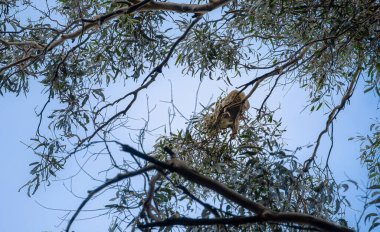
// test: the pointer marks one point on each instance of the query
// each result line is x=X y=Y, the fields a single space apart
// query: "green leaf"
x=337 y=206
x=376 y=201
x=345 y=187
x=368 y=216
x=99 y=92
x=52 y=172
x=373 y=226
x=179 y=58
x=354 y=183
x=85 y=99
x=319 y=106
x=377 y=67
x=51 y=149
x=369 y=89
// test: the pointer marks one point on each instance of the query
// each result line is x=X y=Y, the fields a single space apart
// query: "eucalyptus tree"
x=79 y=50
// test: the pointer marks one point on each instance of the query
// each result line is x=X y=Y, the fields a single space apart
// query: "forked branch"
x=333 y=114
x=263 y=213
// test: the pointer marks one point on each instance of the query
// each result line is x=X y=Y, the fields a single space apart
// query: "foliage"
x=78 y=51
x=370 y=158
x=256 y=165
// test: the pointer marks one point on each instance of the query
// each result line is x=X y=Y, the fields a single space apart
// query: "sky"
x=18 y=124
x=44 y=210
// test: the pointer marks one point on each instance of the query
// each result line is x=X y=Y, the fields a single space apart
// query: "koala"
x=228 y=113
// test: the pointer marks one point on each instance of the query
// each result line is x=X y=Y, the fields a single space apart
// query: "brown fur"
x=228 y=112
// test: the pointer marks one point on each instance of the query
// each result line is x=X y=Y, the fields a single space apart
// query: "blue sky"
x=18 y=124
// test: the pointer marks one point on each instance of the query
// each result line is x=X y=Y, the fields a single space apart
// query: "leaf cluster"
x=256 y=165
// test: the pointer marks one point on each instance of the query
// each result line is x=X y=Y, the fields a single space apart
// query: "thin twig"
x=116 y=179
x=153 y=74
x=333 y=114
x=264 y=213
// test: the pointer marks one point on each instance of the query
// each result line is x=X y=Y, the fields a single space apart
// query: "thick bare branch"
x=183 y=221
x=181 y=168
x=185 y=8
x=264 y=213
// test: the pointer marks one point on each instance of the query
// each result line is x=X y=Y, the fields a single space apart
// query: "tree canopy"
x=79 y=51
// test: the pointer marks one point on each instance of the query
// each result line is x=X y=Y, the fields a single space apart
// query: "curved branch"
x=264 y=213
x=333 y=114
x=182 y=169
x=183 y=221
x=147 y=206
x=146 y=5
x=99 y=20
x=277 y=71
x=153 y=74
x=116 y=179
x=268 y=95
x=185 y=8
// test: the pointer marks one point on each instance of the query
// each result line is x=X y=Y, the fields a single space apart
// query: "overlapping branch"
x=116 y=179
x=150 y=78
x=98 y=20
x=262 y=213
x=333 y=114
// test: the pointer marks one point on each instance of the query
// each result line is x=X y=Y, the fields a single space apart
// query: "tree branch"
x=277 y=71
x=264 y=213
x=147 y=206
x=202 y=221
x=185 y=8
x=134 y=93
x=146 y=5
x=116 y=179
x=333 y=115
